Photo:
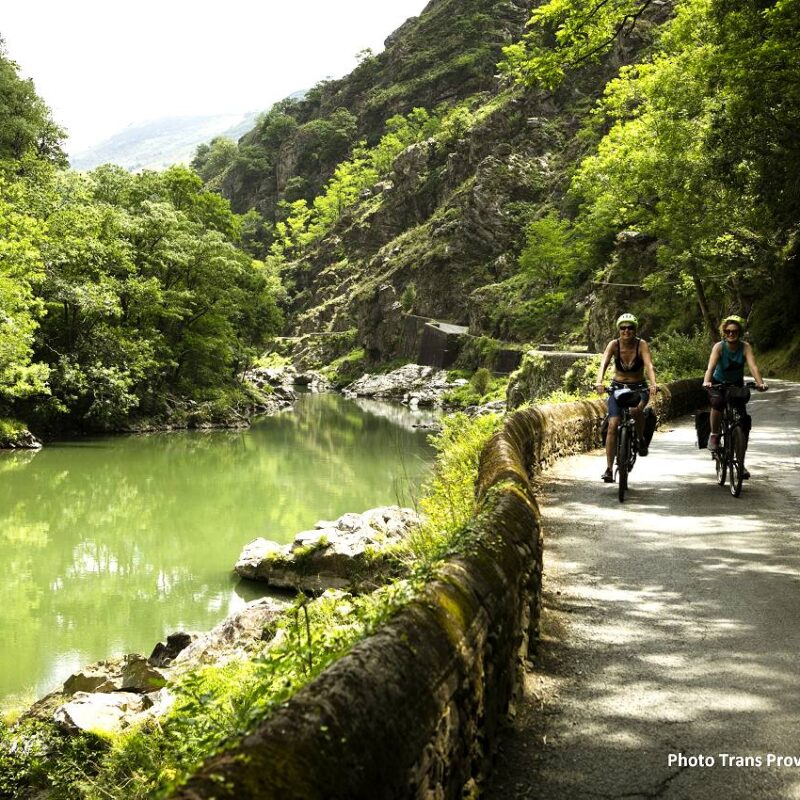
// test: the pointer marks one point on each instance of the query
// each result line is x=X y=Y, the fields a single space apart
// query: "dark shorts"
x=716 y=399
x=613 y=406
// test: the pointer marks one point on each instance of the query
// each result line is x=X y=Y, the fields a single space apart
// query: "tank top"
x=730 y=367
x=635 y=366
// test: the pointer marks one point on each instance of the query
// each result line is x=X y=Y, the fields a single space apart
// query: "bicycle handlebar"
x=747 y=385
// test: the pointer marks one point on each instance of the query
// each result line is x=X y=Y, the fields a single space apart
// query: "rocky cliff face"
x=444 y=226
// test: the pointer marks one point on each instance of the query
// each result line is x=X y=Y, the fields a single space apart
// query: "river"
x=109 y=544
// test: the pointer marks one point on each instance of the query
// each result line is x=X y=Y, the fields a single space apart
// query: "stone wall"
x=414 y=711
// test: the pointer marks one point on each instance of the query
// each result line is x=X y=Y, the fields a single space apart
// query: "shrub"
x=481 y=381
x=680 y=355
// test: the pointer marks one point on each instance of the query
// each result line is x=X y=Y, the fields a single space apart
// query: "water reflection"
x=109 y=544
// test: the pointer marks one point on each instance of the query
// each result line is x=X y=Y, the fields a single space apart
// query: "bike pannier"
x=702 y=425
x=650 y=422
x=739 y=393
x=627 y=398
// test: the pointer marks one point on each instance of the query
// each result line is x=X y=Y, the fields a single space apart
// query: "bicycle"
x=627 y=441
x=733 y=436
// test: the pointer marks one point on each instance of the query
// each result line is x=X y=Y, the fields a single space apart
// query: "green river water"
x=109 y=544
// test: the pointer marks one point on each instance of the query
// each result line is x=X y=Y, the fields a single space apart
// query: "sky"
x=102 y=66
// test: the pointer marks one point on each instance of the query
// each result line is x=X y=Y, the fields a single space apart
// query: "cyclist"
x=726 y=365
x=632 y=360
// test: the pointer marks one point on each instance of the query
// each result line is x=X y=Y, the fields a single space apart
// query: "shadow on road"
x=671 y=625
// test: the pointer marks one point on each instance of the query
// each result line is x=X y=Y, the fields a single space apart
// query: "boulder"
x=20 y=440
x=412 y=384
x=164 y=652
x=103 y=676
x=234 y=637
x=352 y=552
x=103 y=712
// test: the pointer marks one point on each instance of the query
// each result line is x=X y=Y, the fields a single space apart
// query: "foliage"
x=477 y=352
x=306 y=224
x=346 y=368
x=26 y=124
x=481 y=381
x=449 y=499
x=119 y=290
x=679 y=355
x=567 y=33
x=408 y=297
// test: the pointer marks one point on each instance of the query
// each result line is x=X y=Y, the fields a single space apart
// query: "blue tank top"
x=730 y=367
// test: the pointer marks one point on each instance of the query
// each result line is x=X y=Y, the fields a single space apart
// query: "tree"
x=26 y=124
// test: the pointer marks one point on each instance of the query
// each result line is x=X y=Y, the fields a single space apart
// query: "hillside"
x=160 y=143
x=542 y=189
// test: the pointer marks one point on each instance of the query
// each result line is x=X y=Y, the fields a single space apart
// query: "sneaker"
x=643 y=448
x=608 y=476
x=713 y=442
x=745 y=474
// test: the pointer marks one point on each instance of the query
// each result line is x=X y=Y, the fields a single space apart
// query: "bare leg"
x=611 y=441
x=715 y=419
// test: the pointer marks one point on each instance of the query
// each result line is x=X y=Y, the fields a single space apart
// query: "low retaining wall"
x=414 y=711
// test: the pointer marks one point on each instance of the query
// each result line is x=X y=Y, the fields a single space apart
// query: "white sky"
x=102 y=65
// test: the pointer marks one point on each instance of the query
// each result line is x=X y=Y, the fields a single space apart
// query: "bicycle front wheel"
x=623 y=454
x=737 y=451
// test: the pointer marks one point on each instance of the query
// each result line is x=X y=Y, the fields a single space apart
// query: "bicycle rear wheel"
x=623 y=454
x=721 y=459
x=737 y=451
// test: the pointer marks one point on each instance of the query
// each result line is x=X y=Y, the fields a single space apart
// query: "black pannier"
x=650 y=422
x=702 y=425
x=627 y=398
x=739 y=393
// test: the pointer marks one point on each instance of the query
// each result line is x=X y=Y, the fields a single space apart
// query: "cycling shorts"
x=613 y=406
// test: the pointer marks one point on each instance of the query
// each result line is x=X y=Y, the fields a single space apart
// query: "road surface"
x=669 y=665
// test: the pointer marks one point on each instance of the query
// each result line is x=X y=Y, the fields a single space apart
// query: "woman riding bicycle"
x=632 y=359
x=726 y=366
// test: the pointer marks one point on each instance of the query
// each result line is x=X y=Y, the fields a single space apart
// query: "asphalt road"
x=671 y=630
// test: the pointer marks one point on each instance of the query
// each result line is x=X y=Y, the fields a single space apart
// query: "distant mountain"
x=159 y=143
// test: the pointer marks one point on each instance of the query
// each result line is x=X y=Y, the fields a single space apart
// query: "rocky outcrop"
x=411 y=384
x=281 y=381
x=110 y=696
x=19 y=440
x=353 y=552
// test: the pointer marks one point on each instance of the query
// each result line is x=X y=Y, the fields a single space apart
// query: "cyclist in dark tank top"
x=726 y=366
x=632 y=360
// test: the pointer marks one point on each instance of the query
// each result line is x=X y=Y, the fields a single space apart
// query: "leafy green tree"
x=21 y=269
x=26 y=124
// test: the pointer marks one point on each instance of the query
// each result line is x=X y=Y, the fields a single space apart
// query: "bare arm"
x=751 y=363
x=644 y=349
x=606 y=360
x=713 y=360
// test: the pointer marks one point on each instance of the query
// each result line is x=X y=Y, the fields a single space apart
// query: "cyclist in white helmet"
x=631 y=356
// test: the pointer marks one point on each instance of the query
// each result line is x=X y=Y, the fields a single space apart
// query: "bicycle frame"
x=732 y=446
x=626 y=450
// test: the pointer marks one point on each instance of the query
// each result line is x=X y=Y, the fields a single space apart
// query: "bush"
x=680 y=355
x=481 y=381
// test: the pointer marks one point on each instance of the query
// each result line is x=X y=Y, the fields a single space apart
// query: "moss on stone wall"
x=414 y=711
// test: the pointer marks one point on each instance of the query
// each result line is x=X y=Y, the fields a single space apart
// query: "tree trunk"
x=711 y=325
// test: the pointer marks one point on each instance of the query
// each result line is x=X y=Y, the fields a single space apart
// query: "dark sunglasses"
x=731 y=331
x=629 y=328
